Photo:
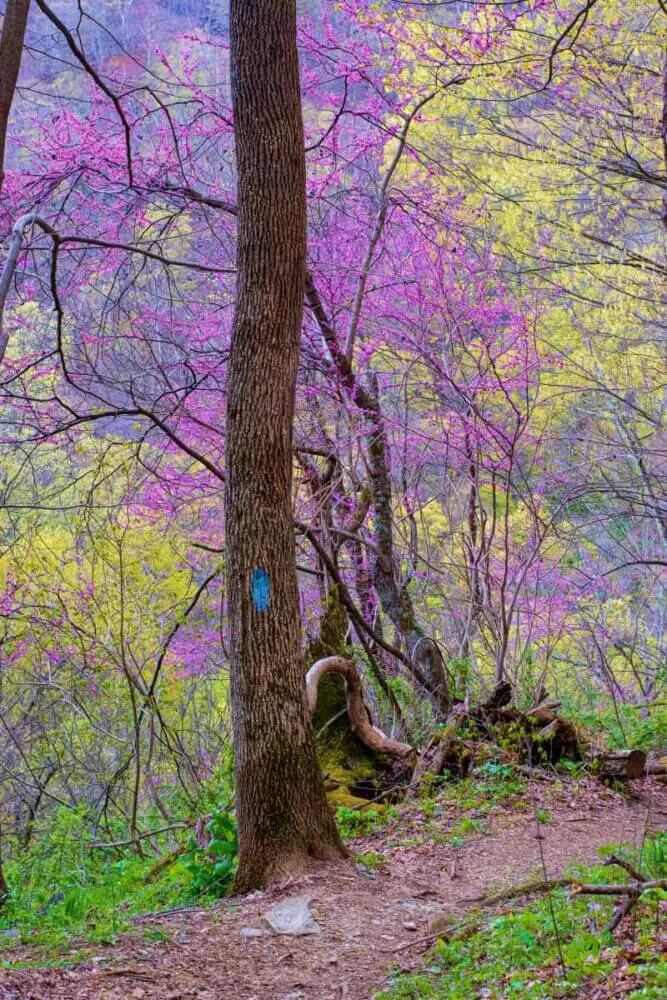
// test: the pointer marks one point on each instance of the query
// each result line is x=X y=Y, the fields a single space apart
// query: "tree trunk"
x=395 y=600
x=282 y=812
x=394 y=597
x=11 y=49
x=4 y=888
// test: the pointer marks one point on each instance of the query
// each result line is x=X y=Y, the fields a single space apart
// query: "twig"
x=627 y=866
x=436 y=935
x=525 y=889
x=378 y=798
x=164 y=913
x=546 y=885
x=141 y=836
x=629 y=889
x=621 y=911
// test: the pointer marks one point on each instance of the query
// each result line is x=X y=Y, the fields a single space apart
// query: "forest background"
x=479 y=432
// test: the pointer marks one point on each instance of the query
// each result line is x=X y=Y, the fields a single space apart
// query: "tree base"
x=264 y=866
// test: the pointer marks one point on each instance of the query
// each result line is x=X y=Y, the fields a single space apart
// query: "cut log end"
x=626 y=765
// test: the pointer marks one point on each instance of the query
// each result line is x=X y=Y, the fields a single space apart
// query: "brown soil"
x=372 y=921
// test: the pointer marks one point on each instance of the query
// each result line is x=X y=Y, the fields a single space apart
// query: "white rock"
x=292 y=916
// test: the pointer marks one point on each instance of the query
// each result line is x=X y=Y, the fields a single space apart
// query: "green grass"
x=362 y=822
x=621 y=725
x=517 y=955
x=451 y=811
x=492 y=785
x=93 y=901
x=62 y=891
x=370 y=859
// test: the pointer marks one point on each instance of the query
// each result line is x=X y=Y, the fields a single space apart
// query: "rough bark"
x=4 y=888
x=282 y=812
x=664 y=134
x=11 y=49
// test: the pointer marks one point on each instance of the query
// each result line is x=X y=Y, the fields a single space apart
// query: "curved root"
x=361 y=726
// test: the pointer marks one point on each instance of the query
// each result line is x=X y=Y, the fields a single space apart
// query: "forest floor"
x=376 y=915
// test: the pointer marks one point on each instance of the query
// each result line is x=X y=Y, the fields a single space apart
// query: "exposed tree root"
x=358 y=714
x=545 y=735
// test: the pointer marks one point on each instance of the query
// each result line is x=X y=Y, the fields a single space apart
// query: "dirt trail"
x=369 y=921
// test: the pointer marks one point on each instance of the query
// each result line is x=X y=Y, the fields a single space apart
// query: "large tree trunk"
x=11 y=49
x=282 y=812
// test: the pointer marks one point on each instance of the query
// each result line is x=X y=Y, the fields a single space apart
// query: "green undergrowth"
x=548 y=948
x=363 y=822
x=65 y=896
x=449 y=812
x=616 y=725
x=61 y=890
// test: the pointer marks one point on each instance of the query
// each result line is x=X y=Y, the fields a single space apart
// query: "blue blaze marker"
x=261 y=589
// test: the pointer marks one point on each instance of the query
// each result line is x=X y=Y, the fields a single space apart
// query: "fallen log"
x=625 y=765
x=523 y=889
x=547 y=735
x=540 y=732
x=544 y=735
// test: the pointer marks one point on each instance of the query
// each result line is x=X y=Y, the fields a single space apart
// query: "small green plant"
x=653 y=856
x=370 y=859
x=492 y=769
x=417 y=711
x=620 y=725
x=491 y=784
x=212 y=868
x=362 y=822
x=460 y=673
x=463 y=828
x=156 y=935
x=575 y=768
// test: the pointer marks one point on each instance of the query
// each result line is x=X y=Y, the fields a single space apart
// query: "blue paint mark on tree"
x=261 y=589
